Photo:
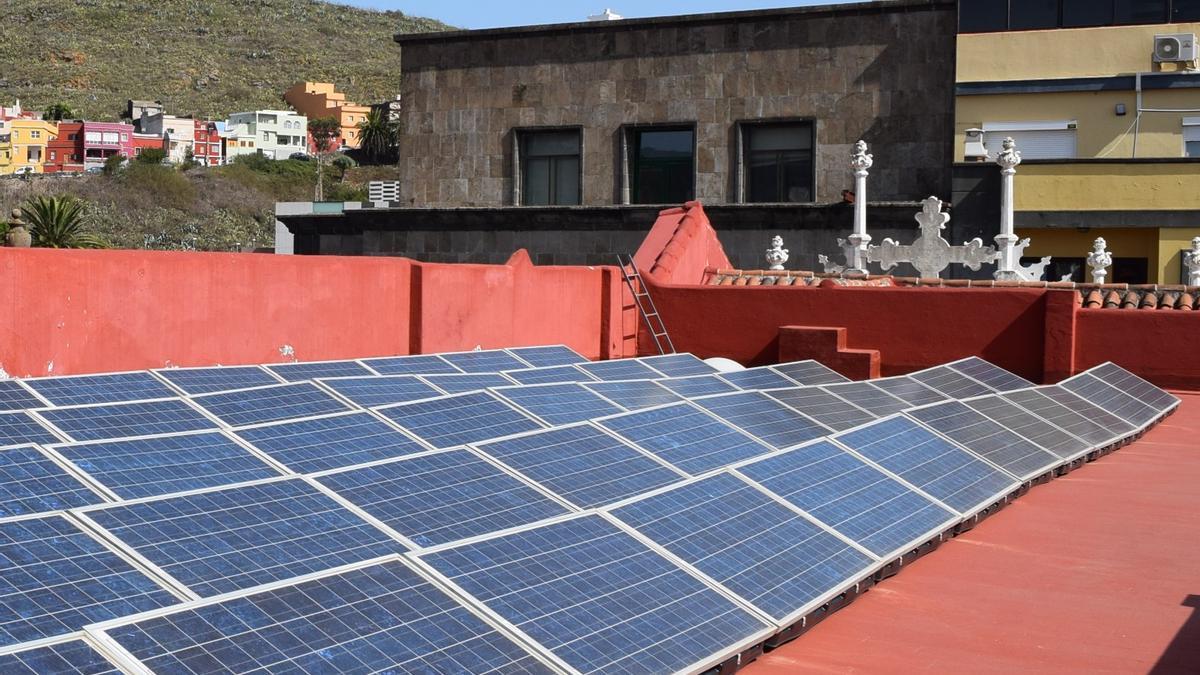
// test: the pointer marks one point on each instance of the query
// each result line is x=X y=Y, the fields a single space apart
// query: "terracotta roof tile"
x=1112 y=299
x=1130 y=300
x=1094 y=299
x=754 y=280
x=1186 y=301
x=1149 y=300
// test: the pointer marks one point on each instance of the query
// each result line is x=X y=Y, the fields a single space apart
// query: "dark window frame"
x=1170 y=9
x=629 y=160
x=743 y=148
x=519 y=136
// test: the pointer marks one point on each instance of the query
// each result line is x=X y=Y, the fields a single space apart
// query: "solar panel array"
x=538 y=513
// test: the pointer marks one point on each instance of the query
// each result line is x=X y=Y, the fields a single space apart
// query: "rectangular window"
x=1185 y=10
x=662 y=165
x=1080 y=13
x=124 y=138
x=1191 y=137
x=110 y=137
x=35 y=134
x=1035 y=140
x=981 y=16
x=1141 y=11
x=778 y=161
x=1033 y=14
x=53 y=155
x=550 y=167
x=92 y=137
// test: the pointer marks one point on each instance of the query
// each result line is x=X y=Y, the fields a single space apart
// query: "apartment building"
x=321 y=99
x=275 y=134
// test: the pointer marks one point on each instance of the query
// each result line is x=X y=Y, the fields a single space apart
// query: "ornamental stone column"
x=860 y=162
x=1006 y=262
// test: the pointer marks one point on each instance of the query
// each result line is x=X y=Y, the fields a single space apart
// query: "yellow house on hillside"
x=321 y=99
x=28 y=140
x=5 y=150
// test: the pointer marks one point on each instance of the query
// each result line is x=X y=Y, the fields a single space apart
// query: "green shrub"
x=152 y=156
x=167 y=186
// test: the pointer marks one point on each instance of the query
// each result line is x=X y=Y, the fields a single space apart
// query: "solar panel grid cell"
x=1111 y=399
x=17 y=428
x=685 y=437
x=868 y=397
x=1115 y=426
x=13 y=396
x=1037 y=402
x=828 y=409
x=270 y=404
x=698 y=385
x=809 y=372
x=377 y=390
x=486 y=361
x=330 y=442
x=224 y=378
x=990 y=374
x=548 y=355
x=548 y=375
x=620 y=369
x=678 y=365
x=124 y=420
x=311 y=370
x=460 y=384
x=764 y=418
x=32 y=482
x=418 y=364
x=1135 y=386
x=455 y=420
x=634 y=394
x=908 y=390
x=951 y=383
x=102 y=388
x=1029 y=425
x=974 y=431
x=752 y=379
x=560 y=403
x=74 y=657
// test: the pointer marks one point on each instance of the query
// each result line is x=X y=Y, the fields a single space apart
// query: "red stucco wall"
x=1162 y=346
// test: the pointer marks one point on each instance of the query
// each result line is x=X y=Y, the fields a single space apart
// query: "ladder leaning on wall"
x=641 y=298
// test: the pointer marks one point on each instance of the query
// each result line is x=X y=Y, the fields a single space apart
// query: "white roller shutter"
x=1035 y=140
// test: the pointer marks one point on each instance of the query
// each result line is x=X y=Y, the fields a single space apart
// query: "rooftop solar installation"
x=13 y=396
x=454 y=420
x=973 y=430
x=766 y=553
x=230 y=539
x=485 y=361
x=686 y=437
x=219 y=378
x=296 y=372
x=946 y=472
x=548 y=355
x=122 y=420
x=549 y=375
x=270 y=404
x=101 y=388
x=381 y=618
x=460 y=384
x=697 y=385
x=73 y=657
x=951 y=383
x=853 y=497
x=1111 y=399
x=678 y=365
x=1044 y=433
x=634 y=394
x=909 y=390
x=417 y=364
x=376 y=390
x=17 y=428
x=990 y=374
x=582 y=464
x=440 y=497
x=833 y=411
x=809 y=372
x=620 y=369
x=757 y=378
x=57 y=579
x=1135 y=386
x=157 y=465
x=763 y=417
x=560 y=403
x=329 y=442
x=1044 y=407
x=32 y=482
x=599 y=599
x=867 y=396
x=1115 y=426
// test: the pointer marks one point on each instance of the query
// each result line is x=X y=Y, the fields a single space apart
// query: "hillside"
x=203 y=57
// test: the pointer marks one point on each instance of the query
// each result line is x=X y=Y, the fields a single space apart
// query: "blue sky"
x=476 y=14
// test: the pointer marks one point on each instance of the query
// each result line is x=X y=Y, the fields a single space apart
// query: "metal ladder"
x=641 y=297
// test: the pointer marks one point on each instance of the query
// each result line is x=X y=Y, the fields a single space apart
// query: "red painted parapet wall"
x=1039 y=333
x=66 y=312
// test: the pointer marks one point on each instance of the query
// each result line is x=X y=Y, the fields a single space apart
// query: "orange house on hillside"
x=320 y=99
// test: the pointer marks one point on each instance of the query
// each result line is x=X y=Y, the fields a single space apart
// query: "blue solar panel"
x=417 y=364
x=224 y=378
x=765 y=418
x=437 y=498
x=698 y=385
x=549 y=375
x=868 y=397
x=1110 y=399
x=460 y=384
x=57 y=579
x=330 y=442
x=376 y=390
x=381 y=618
x=634 y=394
x=17 y=428
x=31 y=482
x=582 y=464
x=104 y=388
x=1037 y=429
x=951 y=382
x=620 y=369
x=549 y=355
x=159 y=465
x=949 y=474
x=1147 y=393
x=15 y=397
x=975 y=432
x=74 y=657
x=686 y=437
x=853 y=497
x=486 y=361
x=832 y=411
x=560 y=403
x=270 y=404
x=909 y=390
x=296 y=372
x=599 y=599
x=455 y=420
x=678 y=365
x=810 y=372
x=1094 y=434
x=122 y=420
x=225 y=540
x=1115 y=426
x=763 y=551
x=757 y=378
x=992 y=375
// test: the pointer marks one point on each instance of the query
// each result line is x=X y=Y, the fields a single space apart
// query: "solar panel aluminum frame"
x=661 y=374
x=1176 y=401
x=1138 y=428
x=32 y=413
x=158 y=373
x=583 y=375
x=369 y=411
x=269 y=366
x=28 y=389
x=443 y=355
x=366 y=361
x=820 y=387
x=649 y=361
x=956 y=371
x=480 y=606
x=513 y=351
x=71 y=470
x=323 y=383
x=781 y=622
x=623 y=407
x=1112 y=441
x=772 y=399
x=826 y=388
x=114 y=651
x=79 y=635
x=1027 y=479
x=968 y=358
x=489 y=392
x=1001 y=395
x=499 y=392
x=195 y=403
x=51 y=404
x=767 y=369
x=446 y=392
x=775 y=367
x=938 y=532
x=67 y=438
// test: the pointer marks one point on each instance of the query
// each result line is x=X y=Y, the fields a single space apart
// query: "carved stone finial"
x=1009 y=157
x=777 y=255
x=931 y=218
x=930 y=253
x=18 y=236
x=1192 y=261
x=861 y=160
x=1099 y=260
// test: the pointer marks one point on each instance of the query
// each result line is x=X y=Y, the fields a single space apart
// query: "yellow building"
x=320 y=99
x=5 y=150
x=1107 y=119
x=28 y=140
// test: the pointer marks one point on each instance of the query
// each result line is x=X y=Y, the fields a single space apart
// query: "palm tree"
x=56 y=222
x=323 y=130
x=377 y=135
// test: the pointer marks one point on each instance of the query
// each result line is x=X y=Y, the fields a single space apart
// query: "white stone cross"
x=930 y=253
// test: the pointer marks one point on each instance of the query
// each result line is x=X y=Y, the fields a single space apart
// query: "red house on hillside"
x=143 y=141
x=64 y=153
x=207 y=149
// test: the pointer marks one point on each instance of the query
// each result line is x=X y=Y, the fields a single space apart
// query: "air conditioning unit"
x=1174 y=47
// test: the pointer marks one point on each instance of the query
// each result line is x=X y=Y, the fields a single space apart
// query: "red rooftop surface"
x=1094 y=572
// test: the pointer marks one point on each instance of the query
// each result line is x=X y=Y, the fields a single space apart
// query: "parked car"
x=25 y=171
x=298 y=155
